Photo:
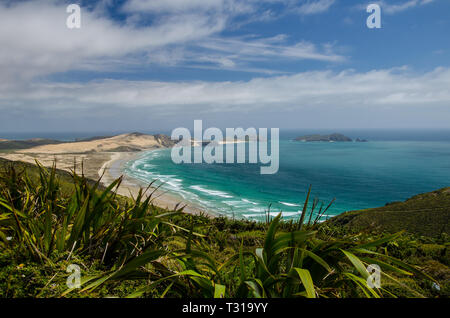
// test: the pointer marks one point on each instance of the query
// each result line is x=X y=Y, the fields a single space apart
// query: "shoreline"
x=109 y=166
x=114 y=168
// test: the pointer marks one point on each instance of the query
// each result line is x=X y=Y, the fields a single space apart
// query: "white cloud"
x=235 y=53
x=182 y=6
x=171 y=5
x=348 y=89
x=270 y=47
x=392 y=8
x=228 y=7
x=42 y=45
x=316 y=6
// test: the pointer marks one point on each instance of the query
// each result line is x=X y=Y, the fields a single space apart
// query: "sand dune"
x=122 y=143
x=92 y=153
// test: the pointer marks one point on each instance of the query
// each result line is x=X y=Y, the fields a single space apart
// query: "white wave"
x=235 y=203
x=248 y=201
x=289 y=204
x=284 y=214
x=211 y=192
x=175 y=185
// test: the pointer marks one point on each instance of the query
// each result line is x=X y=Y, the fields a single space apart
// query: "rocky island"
x=327 y=138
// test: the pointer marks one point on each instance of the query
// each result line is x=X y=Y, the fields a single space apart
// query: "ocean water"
x=359 y=175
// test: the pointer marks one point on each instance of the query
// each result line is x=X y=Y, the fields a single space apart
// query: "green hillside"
x=425 y=214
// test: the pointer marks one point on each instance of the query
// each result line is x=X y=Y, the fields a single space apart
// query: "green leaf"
x=357 y=263
x=78 y=223
x=385 y=265
x=317 y=258
x=270 y=235
x=399 y=263
x=363 y=285
x=260 y=256
x=307 y=281
x=219 y=291
x=305 y=206
x=241 y=262
x=257 y=288
x=137 y=262
x=380 y=241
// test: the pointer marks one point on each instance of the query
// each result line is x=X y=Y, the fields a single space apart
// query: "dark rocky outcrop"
x=326 y=138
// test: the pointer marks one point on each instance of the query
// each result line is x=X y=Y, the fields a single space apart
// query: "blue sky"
x=160 y=64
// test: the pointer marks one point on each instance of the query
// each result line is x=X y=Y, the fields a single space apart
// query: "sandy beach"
x=114 y=168
x=105 y=158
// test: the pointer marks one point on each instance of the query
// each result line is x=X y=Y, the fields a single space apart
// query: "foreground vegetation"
x=130 y=248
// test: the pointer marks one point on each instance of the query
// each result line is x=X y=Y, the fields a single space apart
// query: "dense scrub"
x=426 y=214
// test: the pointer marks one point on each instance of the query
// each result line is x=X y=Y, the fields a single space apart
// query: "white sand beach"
x=104 y=158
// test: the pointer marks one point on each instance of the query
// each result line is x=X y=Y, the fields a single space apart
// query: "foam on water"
x=289 y=204
x=211 y=192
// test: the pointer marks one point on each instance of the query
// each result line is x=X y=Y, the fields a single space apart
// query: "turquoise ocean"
x=392 y=166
